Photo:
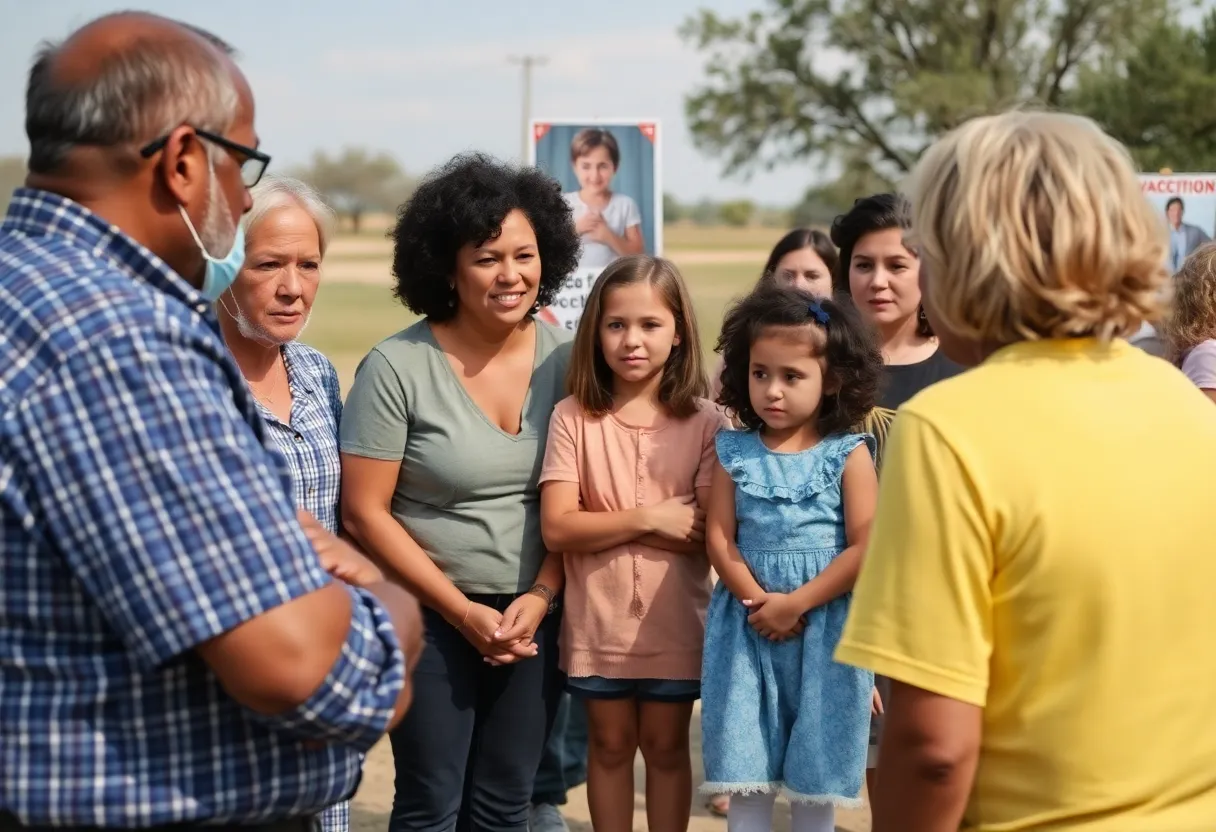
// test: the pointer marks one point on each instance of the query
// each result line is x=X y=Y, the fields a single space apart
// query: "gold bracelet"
x=465 y=620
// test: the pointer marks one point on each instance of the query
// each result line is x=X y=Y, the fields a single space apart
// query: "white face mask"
x=253 y=331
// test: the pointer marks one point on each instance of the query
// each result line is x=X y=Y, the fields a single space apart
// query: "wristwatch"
x=544 y=592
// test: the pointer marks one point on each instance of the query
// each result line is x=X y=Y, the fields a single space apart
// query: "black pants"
x=467 y=751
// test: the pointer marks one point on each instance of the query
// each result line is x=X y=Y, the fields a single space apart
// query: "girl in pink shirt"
x=627 y=470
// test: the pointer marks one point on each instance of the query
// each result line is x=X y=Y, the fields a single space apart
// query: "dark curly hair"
x=465 y=202
x=846 y=344
x=877 y=212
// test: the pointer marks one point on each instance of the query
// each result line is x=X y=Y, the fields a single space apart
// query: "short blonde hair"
x=275 y=192
x=1032 y=225
x=1192 y=318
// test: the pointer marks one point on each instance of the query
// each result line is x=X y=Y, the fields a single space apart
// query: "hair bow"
x=819 y=312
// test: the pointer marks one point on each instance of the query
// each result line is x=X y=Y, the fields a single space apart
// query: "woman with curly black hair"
x=881 y=272
x=789 y=513
x=442 y=438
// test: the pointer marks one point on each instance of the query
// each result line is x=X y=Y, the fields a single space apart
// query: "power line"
x=527 y=62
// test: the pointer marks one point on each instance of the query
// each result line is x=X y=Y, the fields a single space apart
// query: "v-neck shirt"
x=467 y=491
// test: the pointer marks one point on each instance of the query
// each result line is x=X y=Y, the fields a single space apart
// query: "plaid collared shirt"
x=310 y=440
x=141 y=514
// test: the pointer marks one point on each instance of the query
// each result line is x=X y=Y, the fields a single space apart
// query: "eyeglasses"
x=253 y=165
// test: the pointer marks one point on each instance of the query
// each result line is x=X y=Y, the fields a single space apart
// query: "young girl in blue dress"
x=789 y=512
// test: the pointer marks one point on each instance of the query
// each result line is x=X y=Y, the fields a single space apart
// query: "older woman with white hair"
x=296 y=387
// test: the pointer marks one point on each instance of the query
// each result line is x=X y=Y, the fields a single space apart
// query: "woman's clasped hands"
x=507 y=637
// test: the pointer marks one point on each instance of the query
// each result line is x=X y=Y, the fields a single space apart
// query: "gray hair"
x=137 y=94
x=275 y=192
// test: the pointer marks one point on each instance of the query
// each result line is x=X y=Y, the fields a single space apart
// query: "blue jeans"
x=564 y=764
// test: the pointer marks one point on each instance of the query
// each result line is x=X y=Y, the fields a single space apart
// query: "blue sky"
x=424 y=80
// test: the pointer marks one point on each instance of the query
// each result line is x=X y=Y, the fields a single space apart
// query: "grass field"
x=355 y=307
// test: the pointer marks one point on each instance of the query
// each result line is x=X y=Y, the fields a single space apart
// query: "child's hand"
x=875 y=703
x=588 y=222
x=600 y=232
x=775 y=616
x=678 y=519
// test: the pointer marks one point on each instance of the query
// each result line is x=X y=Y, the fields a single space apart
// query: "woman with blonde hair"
x=1042 y=614
x=1190 y=329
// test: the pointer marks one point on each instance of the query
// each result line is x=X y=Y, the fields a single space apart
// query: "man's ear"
x=183 y=166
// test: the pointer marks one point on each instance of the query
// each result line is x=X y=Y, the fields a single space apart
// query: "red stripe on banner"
x=539 y=131
x=648 y=130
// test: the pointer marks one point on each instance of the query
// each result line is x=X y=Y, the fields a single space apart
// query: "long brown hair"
x=683 y=383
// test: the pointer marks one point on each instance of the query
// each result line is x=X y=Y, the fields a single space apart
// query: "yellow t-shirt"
x=1045 y=548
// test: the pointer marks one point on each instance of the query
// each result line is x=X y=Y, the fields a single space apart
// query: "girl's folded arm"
x=680 y=547
x=859 y=488
x=720 y=528
x=566 y=527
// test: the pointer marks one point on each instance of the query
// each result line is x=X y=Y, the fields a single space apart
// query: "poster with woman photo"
x=610 y=175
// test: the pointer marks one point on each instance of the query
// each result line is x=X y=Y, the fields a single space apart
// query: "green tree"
x=704 y=212
x=821 y=203
x=673 y=211
x=357 y=181
x=737 y=212
x=905 y=71
x=12 y=176
x=1158 y=99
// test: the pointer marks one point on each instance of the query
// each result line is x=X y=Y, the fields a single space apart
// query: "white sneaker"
x=545 y=817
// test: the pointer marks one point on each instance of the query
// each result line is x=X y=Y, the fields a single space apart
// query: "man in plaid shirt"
x=173 y=651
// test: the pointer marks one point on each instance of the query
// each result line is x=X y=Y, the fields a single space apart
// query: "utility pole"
x=527 y=62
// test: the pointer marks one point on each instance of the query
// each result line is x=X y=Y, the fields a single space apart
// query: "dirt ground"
x=370 y=812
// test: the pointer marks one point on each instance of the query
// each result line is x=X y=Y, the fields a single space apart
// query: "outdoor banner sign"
x=610 y=173
x=1187 y=203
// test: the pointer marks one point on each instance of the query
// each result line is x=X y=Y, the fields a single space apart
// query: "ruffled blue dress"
x=783 y=716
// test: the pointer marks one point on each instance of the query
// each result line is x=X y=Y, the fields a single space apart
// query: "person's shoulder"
x=568 y=411
x=624 y=200
x=1201 y=356
x=312 y=361
x=710 y=415
x=942 y=367
x=62 y=309
x=554 y=345
x=309 y=357
x=552 y=336
x=406 y=343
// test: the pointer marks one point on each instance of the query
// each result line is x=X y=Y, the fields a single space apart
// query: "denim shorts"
x=644 y=690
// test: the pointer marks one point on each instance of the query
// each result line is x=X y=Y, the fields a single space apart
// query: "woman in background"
x=805 y=259
x=881 y=271
x=1190 y=328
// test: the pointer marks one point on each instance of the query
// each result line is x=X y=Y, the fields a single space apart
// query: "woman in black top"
x=882 y=275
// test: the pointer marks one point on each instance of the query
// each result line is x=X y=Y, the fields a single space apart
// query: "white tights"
x=754 y=813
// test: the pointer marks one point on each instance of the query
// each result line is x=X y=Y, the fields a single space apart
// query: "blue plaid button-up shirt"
x=310 y=440
x=141 y=514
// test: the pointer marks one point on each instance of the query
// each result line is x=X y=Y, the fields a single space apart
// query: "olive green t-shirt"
x=467 y=491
